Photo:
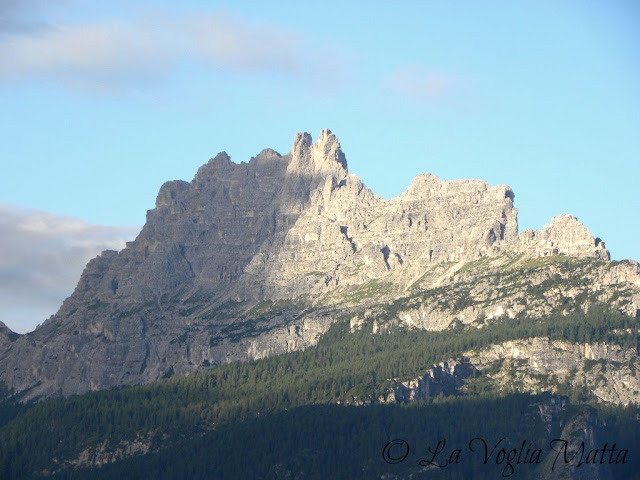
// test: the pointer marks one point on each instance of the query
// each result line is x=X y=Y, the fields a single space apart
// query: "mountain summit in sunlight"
x=257 y=259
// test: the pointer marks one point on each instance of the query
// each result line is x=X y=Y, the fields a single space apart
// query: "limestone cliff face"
x=564 y=235
x=533 y=365
x=258 y=258
x=540 y=364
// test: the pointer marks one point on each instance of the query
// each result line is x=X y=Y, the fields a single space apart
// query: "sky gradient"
x=100 y=104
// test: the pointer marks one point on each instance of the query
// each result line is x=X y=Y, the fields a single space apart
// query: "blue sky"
x=100 y=104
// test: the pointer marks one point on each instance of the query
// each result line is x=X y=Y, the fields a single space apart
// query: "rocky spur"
x=504 y=456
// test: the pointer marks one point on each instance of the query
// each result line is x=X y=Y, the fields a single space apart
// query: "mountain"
x=277 y=319
x=255 y=259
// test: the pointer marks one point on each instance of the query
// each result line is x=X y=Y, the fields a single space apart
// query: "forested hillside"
x=232 y=406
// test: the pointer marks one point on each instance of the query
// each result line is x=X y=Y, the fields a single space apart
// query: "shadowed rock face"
x=291 y=228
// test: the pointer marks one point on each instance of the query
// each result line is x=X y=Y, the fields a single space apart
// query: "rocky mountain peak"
x=322 y=157
x=327 y=150
x=301 y=147
x=5 y=332
x=564 y=235
x=217 y=164
x=279 y=228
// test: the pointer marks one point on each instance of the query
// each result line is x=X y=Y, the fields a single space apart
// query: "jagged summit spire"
x=325 y=155
x=328 y=146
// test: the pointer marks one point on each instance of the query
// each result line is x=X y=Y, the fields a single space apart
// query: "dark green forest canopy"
x=334 y=441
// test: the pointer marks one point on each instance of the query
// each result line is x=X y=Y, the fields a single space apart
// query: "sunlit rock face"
x=254 y=259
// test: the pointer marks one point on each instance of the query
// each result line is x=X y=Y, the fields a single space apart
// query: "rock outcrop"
x=259 y=258
x=534 y=365
x=564 y=235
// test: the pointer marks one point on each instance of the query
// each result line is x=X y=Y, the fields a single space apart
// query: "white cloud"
x=117 y=53
x=102 y=54
x=420 y=83
x=230 y=43
x=41 y=258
